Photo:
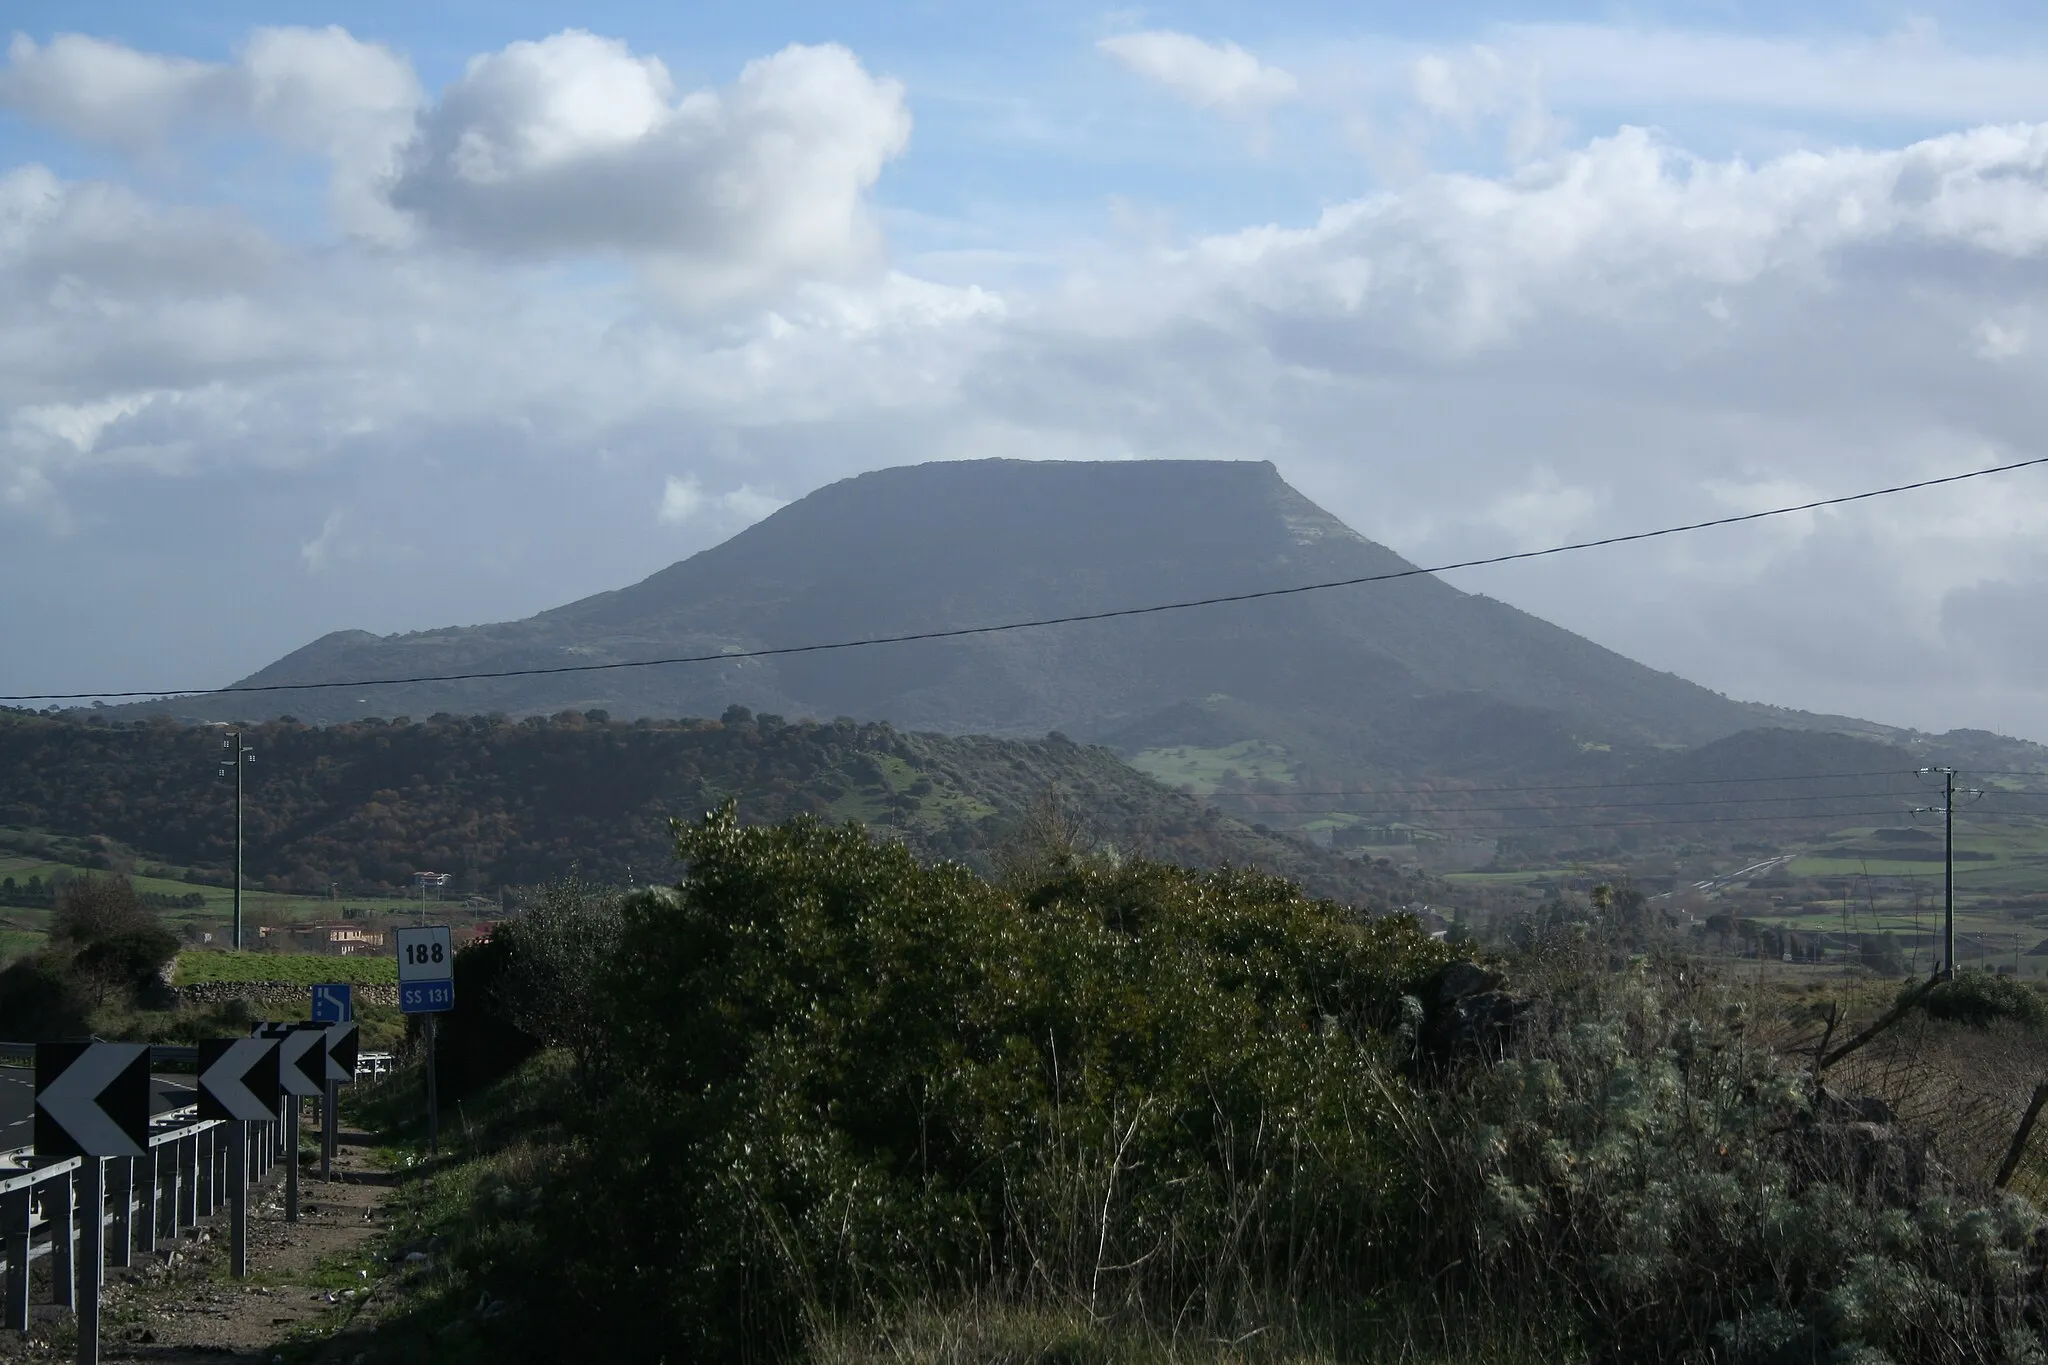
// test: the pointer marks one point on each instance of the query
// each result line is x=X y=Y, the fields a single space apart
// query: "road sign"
x=92 y=1099
x=302 y=1060
x=342 y=1042
x=426 y=970
x=333 y=1003
x=238 y=1079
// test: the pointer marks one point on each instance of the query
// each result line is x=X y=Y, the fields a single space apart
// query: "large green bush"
x=835 y=1087
x=1980 y=999
x=841 y=1077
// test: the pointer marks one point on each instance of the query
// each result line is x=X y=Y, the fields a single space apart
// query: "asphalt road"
x=18 y=1103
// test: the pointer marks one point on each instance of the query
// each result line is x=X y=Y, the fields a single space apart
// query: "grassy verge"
x=456 y=1214
x=993 y=1332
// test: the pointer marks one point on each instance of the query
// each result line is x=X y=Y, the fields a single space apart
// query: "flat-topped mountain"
x=1406 y=674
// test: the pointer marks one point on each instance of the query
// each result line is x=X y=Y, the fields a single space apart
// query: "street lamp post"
x=239 y=756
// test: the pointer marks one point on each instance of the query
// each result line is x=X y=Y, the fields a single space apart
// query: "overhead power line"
x=957 y=632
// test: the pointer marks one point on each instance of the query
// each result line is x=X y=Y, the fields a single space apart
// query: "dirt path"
x=305 y=1280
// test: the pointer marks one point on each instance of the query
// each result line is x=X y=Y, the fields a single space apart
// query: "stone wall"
x=274 y=993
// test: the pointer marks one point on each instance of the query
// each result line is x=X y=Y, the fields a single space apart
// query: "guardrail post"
x=92 y=1251
x=123 y=1191
x=291 y=1170
x=330 y=1128
x=238 y=1200
x=60 y=1211
x=146 y=1200
x=16 y=1217
x=205 y=1158
x=166 y=1222
x=188 y=1180
x=221 y=1166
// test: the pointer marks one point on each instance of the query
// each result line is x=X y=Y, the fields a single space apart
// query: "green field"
x=15 y=942
x=304 y=969
x=1992 y=860
x=1202 y=771
x=266 y=907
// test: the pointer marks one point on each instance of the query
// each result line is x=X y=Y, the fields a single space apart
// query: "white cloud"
x=1910 y=73
x=574 y=144
x=2003 y=339
x=1211 y=75
x=684 y=500
x=107 y=93
x=319 y=91
x=681 y=499
x=316 y=552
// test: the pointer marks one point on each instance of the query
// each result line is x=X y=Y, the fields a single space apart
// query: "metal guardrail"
x=162 y=1056
x=147 y=1201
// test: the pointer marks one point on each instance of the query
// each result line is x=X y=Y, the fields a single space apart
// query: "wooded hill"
x=496 y=802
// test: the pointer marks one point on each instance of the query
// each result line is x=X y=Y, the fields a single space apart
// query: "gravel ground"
x=307 y=1280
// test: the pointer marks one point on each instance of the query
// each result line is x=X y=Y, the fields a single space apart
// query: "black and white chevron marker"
x=302 y=1060
x=92 y=1099
x=341 y=1053
x=238 y=1079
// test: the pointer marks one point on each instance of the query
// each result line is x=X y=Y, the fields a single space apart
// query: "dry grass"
x=988 y=1332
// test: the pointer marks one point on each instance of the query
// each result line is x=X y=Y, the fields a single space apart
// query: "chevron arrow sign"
x=92 y=1099
x=302 y=1060
x=342 y=1047
x=238 y=1079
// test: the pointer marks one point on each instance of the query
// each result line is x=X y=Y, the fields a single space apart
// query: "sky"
x=391 y=317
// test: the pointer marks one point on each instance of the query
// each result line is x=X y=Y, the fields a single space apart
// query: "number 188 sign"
x=426 y=971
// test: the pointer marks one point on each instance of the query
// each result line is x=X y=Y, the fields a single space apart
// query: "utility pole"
x=239 y=757
x=1947 y=811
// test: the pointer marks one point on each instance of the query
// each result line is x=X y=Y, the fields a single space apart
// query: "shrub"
x=42 y=1000
x=1980 y=999
x=1643 y=1159
x=842 y=1076
x=92 y=908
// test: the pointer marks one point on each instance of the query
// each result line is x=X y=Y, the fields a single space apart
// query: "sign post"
x=301 y=1070
x=238 y=1084
x=91 y=1101
x=343 y=1045
x=333 y=1003
x=426 y=985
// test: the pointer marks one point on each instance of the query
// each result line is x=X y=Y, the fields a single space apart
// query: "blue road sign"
x=426 y=997
x=333 y=1003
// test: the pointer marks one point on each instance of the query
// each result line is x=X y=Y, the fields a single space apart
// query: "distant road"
x=1713 y=884
x=18 y=1103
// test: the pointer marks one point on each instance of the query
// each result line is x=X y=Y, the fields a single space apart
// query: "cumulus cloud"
x=320 y=91
x=1911 y=72
x=684 y=500
x=576 y=144
x=1458 y=261
x=1211 y=75
x=316 y=553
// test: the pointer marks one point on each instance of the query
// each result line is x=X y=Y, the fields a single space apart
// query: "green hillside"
x=495 y=803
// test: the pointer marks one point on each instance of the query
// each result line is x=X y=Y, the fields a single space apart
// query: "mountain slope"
x=1405 y=673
